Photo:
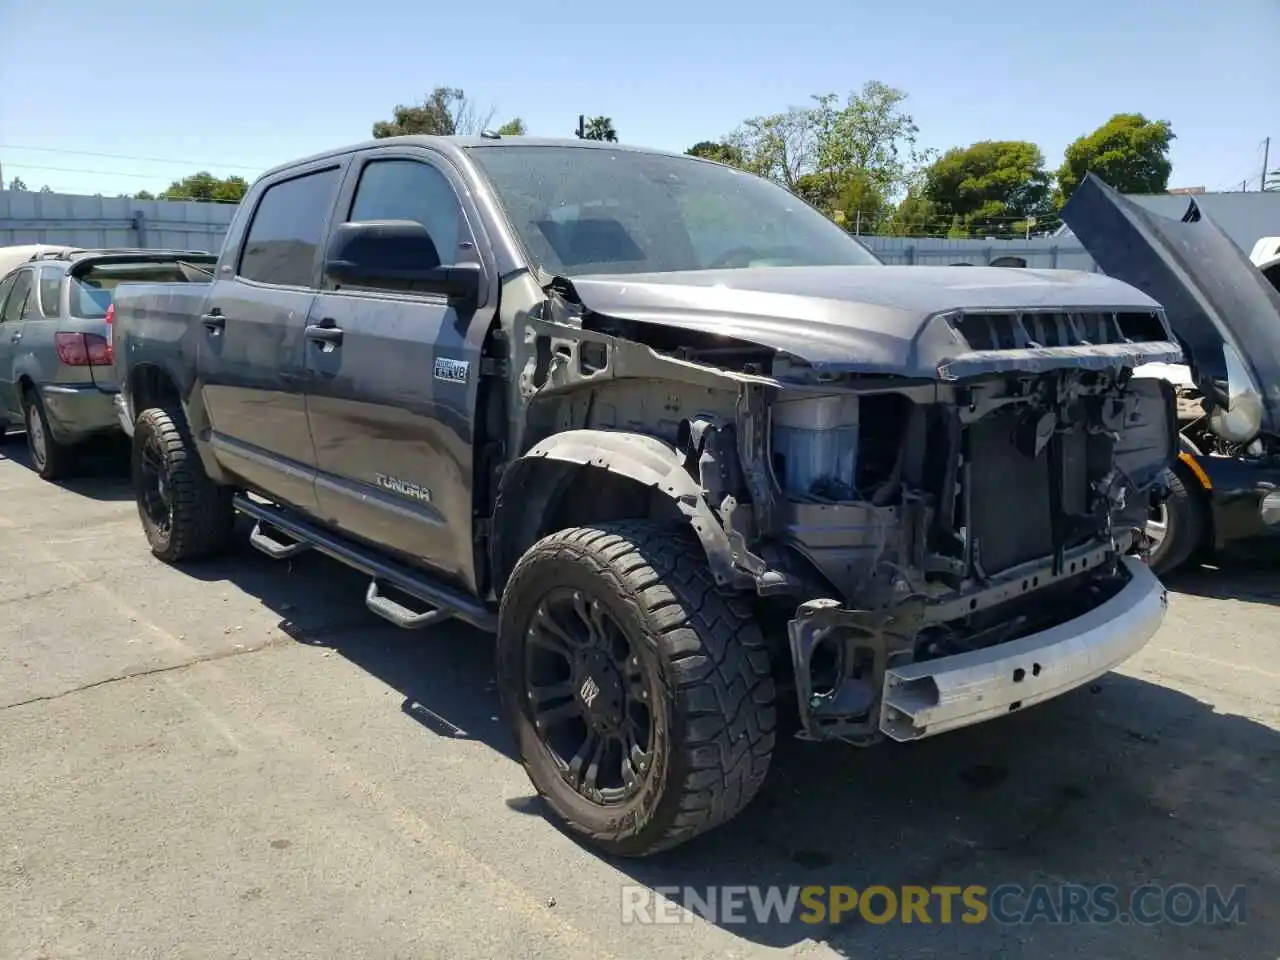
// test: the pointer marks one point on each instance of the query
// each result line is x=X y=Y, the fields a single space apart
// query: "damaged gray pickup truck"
x=708 y=468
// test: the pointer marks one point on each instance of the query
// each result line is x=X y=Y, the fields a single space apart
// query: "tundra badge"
x=452 y=371
x=402 y=487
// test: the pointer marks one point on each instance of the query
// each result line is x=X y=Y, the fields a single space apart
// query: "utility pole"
x=1266 y=161
x=582 y=126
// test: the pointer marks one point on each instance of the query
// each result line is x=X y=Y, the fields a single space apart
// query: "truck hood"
x=878 y=319
x=1209 y=289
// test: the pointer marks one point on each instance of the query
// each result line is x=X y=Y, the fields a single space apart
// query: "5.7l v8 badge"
x=452 y=371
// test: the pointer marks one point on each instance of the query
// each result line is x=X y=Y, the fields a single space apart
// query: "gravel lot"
x=237 y=760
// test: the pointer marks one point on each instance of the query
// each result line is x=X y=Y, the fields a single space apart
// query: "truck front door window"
x=410 y=190
x=287 y=228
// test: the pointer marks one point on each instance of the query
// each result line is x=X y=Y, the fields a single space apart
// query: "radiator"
x=1012 y=521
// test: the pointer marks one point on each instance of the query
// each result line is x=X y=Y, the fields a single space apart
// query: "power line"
x=125 y=156
x=1229 y=186
x=98 y=173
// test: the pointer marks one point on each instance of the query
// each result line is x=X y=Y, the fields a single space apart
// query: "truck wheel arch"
x=150 y=386
x=531 y=496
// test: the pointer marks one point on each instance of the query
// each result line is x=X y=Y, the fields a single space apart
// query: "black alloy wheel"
x=589 y=698
x=640 y=697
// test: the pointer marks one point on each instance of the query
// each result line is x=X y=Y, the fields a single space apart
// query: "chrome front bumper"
x=924 y=699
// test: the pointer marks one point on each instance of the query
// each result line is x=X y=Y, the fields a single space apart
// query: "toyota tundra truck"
x=709 y=470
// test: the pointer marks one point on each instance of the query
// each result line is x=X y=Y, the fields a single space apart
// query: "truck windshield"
x=583 y=210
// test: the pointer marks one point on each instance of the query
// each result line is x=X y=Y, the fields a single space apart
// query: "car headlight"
x=1242 y=419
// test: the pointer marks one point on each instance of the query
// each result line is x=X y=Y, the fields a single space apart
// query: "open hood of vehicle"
x=1210 y=291
x=894 y=320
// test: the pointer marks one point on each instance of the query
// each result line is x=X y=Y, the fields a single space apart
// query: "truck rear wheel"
x=184 y=514
x=641 y=699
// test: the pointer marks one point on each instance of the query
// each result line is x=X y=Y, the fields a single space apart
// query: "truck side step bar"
x=273 y=548
x=444 y=601
x=398 y=613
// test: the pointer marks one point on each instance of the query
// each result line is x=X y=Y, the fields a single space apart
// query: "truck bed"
x=154 y=318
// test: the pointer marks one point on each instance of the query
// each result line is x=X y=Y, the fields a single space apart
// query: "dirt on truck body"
x=692 y=451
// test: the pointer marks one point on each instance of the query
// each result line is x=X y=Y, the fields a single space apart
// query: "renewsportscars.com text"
x=1180 y=904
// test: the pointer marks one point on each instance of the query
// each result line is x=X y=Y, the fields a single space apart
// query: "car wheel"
x=641 y=699
x=1176 y=526
x=184 y=514
x=51 y=459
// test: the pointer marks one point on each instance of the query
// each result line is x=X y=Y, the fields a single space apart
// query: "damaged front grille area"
x=1038 y=330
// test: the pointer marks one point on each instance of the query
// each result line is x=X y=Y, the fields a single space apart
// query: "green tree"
x=206 y=187
x=914 y=216
x=1129 y=152
x=869 y=136
x=780 y=146
x=872 y=132
x=852 y=199
x=144 y=195
x=46 y=189
x=600 y=128
x=17 y=185
x=446 y=111
x=989 y=185
x=512 y=128
x=717 y=150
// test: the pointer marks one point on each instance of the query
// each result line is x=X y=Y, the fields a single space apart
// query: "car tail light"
x=111 y=340
x=82 y=349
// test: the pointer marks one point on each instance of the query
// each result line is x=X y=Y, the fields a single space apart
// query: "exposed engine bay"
x=879 y=519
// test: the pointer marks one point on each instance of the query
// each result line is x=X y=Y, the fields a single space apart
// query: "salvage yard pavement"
x=238 y=760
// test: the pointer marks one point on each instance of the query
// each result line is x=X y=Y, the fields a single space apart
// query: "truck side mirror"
x=396 y=255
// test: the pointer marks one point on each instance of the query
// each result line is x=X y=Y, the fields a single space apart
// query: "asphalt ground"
x=238 y=760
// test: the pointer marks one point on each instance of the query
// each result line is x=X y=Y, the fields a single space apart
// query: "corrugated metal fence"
x=1044 y=252
x=57 y=218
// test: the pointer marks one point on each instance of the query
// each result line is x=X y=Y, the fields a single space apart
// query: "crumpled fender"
x=645 y=459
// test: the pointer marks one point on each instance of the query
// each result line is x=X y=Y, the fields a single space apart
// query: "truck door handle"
x=324 y=334
x=213 y=322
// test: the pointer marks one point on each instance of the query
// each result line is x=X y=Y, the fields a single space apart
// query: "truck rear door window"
x=287 y=228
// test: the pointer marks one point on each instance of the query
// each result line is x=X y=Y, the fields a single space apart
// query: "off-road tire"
x=715 y=724
x=202 y=517
x=1186 y=515
x=56 y=460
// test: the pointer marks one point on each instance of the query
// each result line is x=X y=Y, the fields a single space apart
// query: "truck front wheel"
x=641 y=699
x=184 y=514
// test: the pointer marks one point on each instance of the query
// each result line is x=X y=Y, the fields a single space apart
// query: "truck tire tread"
x=203 y=515
x=716 y=674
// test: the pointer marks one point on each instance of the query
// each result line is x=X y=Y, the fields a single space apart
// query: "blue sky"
x=238 y=86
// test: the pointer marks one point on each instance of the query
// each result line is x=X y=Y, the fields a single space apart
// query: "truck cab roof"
x=456 y=145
